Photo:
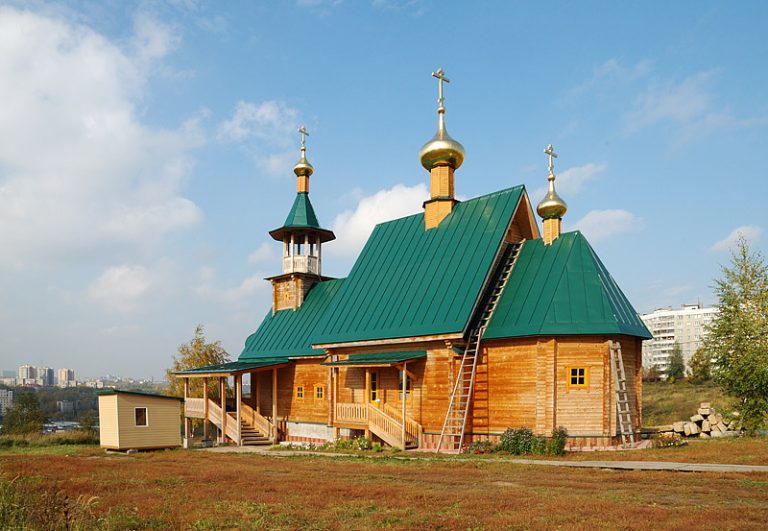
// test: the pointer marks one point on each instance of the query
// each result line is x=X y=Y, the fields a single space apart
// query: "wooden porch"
x=385 y=422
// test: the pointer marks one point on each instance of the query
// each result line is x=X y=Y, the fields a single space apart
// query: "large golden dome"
x=441 y=150
x=552 y=206
x=303 y=167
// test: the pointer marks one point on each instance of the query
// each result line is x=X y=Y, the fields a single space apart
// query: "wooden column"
x=258 y=391
x=187 y=421
x=367 y=397
x=223 y=386
x=331 y=409
x=274 y=405
x=206 y=435
x=238 y=399
x=405 y=375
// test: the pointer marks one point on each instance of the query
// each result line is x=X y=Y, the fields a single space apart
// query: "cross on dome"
x=552 y=155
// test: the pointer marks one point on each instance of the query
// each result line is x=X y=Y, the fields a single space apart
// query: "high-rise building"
x=45 y=376
x=6 y=400
x=66 y=378
x=27 y=375
x=686 y=326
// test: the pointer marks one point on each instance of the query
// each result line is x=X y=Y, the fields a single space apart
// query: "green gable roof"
x=408 y=281
x=236 y=366
x=289 y=332
x=562 y=289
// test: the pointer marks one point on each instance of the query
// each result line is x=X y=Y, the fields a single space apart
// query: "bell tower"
x=302 y=239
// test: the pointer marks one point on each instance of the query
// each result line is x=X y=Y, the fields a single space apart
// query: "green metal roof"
x=562 y=289
x=408 y=281
x=106 y=392
x=302 y=216
x=291 y=332
x=236 y=366
x=381 y=358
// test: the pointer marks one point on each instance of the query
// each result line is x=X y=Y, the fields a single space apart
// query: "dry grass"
x=665 y=403
x=201 y=490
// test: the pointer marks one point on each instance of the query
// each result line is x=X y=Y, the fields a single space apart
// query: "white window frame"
x=146 y=416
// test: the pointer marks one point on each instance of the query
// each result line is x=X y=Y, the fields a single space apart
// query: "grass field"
x=665 y=403
x=202 y=490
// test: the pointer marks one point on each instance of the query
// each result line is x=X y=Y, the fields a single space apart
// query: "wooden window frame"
x=374 y=395
x=321 y=388
x=408 y=388
x=298 y=392
x=146 y=417
x=570 y=375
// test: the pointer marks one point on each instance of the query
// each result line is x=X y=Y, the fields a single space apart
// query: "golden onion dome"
x=303 y=167
x=552 y=206
x=442 y=149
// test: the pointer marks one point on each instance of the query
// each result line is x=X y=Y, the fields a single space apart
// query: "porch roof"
x=234 y=367
x=379 y=359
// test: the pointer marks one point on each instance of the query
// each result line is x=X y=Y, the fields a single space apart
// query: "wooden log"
x=716 y=418
x=722 y=426
x=714 y=427
x=732 y=425
x=703 y=435
x=697 y=418
x=679 y=427
x=705 y=426
x=687 y=428
x=705 y=405
x=716 y=433
x=705 y=411
x=694 y=428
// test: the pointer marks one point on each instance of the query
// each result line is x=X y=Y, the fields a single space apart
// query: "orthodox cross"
x=552 y=155
x=304 y=134
x=440 y=75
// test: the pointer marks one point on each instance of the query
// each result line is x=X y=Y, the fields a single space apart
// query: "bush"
x=481 y=447
x=362 y=443
x=668 y=440
x=556 y=444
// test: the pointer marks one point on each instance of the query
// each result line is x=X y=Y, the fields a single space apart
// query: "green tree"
x=24 y=416
x=700 y=367
x=196 y=353
x=738 y=336
x=676 y=370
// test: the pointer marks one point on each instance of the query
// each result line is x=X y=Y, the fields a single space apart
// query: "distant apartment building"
x=65 y=406
x=45 y=376
x=686 y=326
x=27 y=375
x=6 y=400
x=66 y=378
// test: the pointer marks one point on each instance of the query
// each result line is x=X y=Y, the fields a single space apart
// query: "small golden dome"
x=552 y=206
x=303 y=167
x=442 y=149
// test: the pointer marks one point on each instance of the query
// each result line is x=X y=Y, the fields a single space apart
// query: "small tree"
x=651 y=374
x=24 y=416
x=738 y=336
x=700 y=367
x=676 y=370
x=196 y=353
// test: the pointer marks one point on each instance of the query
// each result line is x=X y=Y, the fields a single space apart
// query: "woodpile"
x=707 y=422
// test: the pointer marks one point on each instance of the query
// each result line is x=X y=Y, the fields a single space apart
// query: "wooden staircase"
x=455 y=423
x=250 y=435
x=254 y=429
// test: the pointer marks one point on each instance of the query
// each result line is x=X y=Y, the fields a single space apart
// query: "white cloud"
x=81 y=173
x=680 y=102
x=352 y=227
x=268 y=129
x=572 y=180
x=122 y=287
x=600 y=225
x=609 y=74
x=751 y=233
x=264 y=254
x=252 y=288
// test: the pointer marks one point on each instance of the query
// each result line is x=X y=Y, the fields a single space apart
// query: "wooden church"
x=453 y=325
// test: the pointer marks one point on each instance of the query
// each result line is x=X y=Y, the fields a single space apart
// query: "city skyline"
x=148 y=152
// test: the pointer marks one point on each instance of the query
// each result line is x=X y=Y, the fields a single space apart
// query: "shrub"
x=668 y=440
x=363 y=443
x=556 y=444
x=481 y=447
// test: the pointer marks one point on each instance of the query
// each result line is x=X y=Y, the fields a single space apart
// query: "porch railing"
x=385 y=427
x=352 y=413
x=255 y=419
x=413 y=430
x=232 y=430
x=194 y=408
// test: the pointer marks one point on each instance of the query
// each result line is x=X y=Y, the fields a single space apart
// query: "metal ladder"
x=456 y=419
x=623 y=407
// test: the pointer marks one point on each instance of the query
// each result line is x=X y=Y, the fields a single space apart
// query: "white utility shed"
x=136 y=420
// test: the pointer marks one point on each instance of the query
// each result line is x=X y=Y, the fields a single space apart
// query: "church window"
x=578 y=377
x=300 y=392
x=374 y=392
x=319 y=392
x=400 y=386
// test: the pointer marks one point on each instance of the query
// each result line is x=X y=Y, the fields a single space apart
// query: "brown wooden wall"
x=306 y=373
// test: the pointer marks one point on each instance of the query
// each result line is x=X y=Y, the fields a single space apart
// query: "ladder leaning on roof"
x=623 y=407
x=455 y=422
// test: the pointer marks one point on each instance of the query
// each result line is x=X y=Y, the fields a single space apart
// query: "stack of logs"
x=705 y=423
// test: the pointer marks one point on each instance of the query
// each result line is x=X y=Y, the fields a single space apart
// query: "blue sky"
x=146 y=148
